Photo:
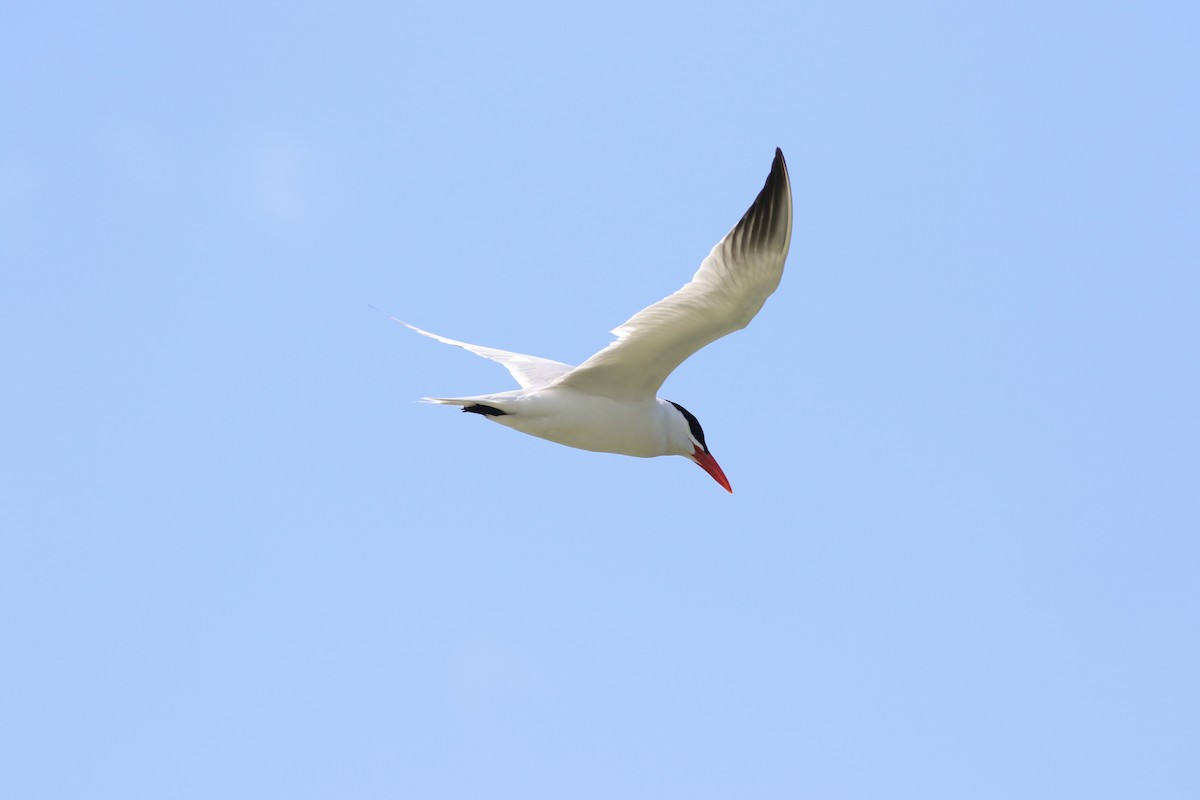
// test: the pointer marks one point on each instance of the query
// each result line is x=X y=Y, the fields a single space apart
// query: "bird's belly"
x=589 y=422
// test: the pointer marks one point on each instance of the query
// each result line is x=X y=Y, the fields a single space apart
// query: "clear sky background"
x=238 y=561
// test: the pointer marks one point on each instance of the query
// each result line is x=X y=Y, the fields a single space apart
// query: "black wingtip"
x=487 y=411
x=768 y=218
x=778 y=165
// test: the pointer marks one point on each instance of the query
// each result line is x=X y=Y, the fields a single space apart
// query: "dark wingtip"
x=768 y=217
x=778 y=165
x=480 y=408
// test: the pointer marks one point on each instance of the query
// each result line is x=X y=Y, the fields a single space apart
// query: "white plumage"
x=608 y=403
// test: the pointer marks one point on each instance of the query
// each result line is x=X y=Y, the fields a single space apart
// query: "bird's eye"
x=693 y=425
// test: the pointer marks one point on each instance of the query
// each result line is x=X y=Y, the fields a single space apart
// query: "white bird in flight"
x=608 y=403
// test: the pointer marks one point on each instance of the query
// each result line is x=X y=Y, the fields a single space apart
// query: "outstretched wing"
x=529 y=371
x=723 y=296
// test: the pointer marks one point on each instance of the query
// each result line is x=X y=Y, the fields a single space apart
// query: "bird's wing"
x=723 y=296
x=530 y=371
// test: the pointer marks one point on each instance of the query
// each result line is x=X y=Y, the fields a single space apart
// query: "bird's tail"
x=473 y=405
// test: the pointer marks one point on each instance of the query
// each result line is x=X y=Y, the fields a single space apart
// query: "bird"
x=609 y=403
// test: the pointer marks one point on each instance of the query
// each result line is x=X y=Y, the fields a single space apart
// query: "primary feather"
x=730 y=287
x=529 y=371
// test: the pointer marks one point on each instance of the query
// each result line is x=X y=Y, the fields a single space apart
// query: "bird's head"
x=687 y=440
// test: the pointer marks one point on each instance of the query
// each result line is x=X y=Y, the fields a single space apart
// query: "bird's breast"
x=590 y=422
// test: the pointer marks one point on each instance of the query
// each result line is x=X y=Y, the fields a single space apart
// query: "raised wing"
x=530 y=371
x=723 y=296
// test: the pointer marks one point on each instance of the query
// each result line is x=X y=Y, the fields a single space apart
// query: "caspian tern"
x=608 y=403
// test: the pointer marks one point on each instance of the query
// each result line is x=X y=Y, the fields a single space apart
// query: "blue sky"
x=238 y=561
